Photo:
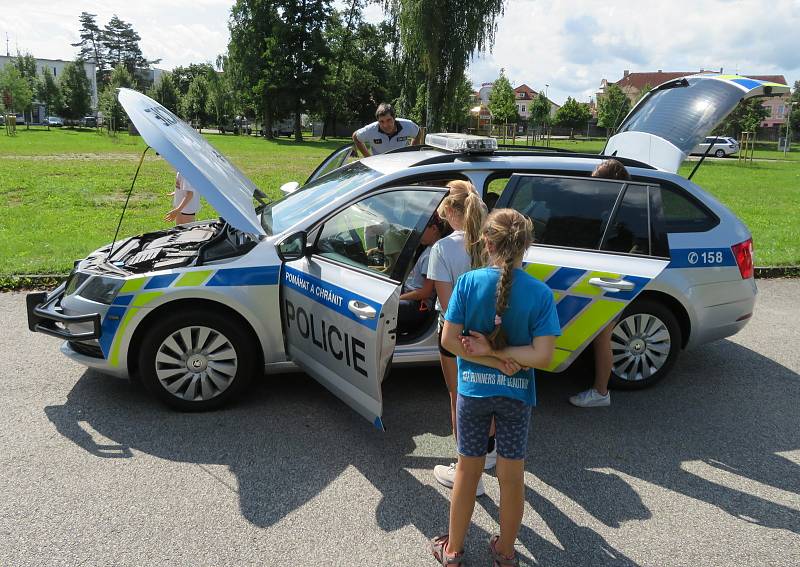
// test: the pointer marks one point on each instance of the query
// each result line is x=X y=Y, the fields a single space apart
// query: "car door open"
x=339 y=302
x=596 y=246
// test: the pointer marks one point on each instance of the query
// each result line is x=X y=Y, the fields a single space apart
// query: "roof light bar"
x=466 y=143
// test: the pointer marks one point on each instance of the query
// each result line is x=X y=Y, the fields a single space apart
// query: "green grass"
x=61 y=192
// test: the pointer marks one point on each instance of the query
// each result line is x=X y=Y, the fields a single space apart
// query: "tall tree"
x=75 y=91
x=121 y=43
x=502 y=102
x=539 y=113
x=612 y=108
x=440 y=36
x=165 y=92
x=113 y=113
x=15 y=92
x=302 y=51
x=251 y=57
x=573 y=115
x=195 y=102
x=49 y=94
x=219 y=95
x=456 y=111
x=91 y=45
x=26 y=65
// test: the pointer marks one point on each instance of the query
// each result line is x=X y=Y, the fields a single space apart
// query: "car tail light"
x=743 y=252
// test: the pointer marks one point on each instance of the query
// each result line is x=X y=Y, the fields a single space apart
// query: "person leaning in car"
x=387 y=133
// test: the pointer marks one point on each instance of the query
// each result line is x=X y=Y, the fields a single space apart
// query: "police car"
x=312 y=280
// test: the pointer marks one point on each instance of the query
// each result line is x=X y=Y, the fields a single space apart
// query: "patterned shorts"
x=474 y=417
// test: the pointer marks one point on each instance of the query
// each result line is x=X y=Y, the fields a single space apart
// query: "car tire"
x=644 y=345
x=221 y=354
x=720 y=153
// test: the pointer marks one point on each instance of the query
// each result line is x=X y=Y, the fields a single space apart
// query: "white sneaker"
x=590 y=399
x=446 y=476
x=491 y=458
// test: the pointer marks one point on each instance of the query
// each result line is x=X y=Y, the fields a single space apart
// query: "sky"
x=569 y=46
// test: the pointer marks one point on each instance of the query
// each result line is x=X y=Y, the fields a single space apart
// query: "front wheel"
x=644 y=345
x=197 y=362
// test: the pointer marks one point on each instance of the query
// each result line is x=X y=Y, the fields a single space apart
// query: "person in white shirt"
x=416 y=300
x=387 y=133
x=185 y=202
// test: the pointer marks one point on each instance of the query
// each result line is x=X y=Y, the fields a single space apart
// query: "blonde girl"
x=501 y=323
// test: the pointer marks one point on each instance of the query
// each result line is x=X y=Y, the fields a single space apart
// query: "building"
x=632 y=84
x=524 y=95
x=56 y=67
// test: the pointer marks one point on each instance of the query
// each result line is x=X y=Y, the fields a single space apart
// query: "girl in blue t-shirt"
x=501 y=323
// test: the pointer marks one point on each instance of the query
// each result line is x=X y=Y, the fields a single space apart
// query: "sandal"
x=501 y=560
x=439 y=550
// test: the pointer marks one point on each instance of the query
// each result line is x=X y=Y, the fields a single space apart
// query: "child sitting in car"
x=418 y=293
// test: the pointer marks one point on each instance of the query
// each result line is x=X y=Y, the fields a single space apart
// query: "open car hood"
x=212 y=175
x=669 y=121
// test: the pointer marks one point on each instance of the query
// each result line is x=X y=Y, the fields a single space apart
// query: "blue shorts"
x=474 y=418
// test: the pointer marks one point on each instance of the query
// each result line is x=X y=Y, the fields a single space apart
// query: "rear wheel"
x=720 y=153
x=197 y=362
x=644 y=345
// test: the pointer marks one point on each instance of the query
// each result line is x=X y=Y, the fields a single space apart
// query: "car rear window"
x=682 y=213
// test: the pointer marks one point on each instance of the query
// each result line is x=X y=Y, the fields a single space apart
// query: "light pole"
x=788 y=121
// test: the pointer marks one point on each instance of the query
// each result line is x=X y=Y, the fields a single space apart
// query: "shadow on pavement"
x=725 y=407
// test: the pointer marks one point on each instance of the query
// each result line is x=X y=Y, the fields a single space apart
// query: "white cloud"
x=569 y=45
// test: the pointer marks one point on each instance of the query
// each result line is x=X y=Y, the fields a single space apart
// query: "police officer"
x=387 y=133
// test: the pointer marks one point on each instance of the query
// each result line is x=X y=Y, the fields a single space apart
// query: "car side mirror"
x=290 y=187
x=293 y=247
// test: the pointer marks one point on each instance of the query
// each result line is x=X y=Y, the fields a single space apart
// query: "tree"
x=746 y=117
x=219 y=95
x=438 y=37
x=165 y=93
x=49 y=94
x=612 y=108
x=502 y=101
x=182 y=76
x=91 y=45
x=121 y=44
x=26 y=65
x=456 y=111
x=195 y=102
x=573 y=114
x=250 y=50
x=113 y=113
x=539 y=112
x=75 y=91
x=301 y=52
x=15 y=93
x=794 y=111
x=642 y=93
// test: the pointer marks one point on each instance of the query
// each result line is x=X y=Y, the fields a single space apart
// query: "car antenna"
x=708 y=149
x=128 y=198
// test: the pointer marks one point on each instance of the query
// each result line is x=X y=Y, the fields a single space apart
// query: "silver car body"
x=337 y=321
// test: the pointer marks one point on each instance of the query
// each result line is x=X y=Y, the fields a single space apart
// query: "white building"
x=56 y=67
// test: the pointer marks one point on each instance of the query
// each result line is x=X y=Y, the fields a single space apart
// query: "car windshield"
x=285 y=212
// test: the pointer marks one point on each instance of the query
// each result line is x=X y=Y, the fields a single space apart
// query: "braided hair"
x=463 y=201
x=507 y=234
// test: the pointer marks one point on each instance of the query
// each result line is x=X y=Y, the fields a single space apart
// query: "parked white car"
x=722 y=146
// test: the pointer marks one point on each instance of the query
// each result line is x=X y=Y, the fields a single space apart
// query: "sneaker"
x=491 y=459
x=446 y=476
x=590 y=399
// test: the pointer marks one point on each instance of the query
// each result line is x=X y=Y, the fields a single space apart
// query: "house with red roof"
x=632 y=84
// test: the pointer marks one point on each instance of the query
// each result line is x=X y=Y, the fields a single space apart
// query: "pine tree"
x=121 y=43
x=91 y=45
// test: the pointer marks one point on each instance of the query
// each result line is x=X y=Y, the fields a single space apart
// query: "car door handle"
x=612 y=285
x=361 y=310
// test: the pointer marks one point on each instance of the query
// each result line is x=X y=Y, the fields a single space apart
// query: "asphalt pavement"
x=703 y=469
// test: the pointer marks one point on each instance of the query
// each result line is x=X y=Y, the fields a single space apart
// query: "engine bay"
x=185 y=245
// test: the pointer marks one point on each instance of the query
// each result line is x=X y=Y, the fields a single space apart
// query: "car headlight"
x=101 y=289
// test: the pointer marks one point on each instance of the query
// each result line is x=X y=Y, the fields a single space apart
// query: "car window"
x=373 y=233
x=683 y=214
x=629 y=230
x=285 y=212
x=566 y=211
